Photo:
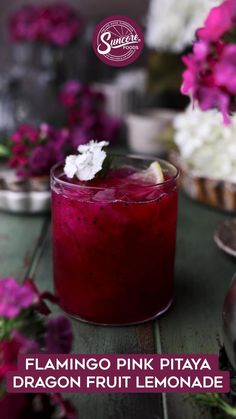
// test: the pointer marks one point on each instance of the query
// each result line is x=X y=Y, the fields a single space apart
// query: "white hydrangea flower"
x=206 y=145
x=92 y=146
x=88 y=162
x=70 y=168
x=171 y=24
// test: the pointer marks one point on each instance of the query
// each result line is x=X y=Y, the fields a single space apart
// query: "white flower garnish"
x=88 y=162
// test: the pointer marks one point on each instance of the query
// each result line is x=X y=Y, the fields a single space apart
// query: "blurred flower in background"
x=210 y=75
x=171 y=24
x=26 y=329
x=171 y=27
x=33 y=151
x=56 y=24
x=206 y=146
x=86 y=116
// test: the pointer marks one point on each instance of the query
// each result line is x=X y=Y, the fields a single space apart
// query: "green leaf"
x=216 y=402
x=4 y=151
x=105 y=167
x=230 y=37
x=29 y=322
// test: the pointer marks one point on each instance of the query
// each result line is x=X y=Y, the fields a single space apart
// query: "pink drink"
x=114 y=244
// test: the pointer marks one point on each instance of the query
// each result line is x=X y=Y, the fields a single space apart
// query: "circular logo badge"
x=118 y=41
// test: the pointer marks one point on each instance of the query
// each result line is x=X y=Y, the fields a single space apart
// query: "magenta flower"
x=86 y=115
x=35 y=150
x=27 y=345
x=83 y=96
x=190 y=76
x=39 y=160
x=28 y=132
x=210 y=75
x=23 y=24
x=14 y=297
x=30 y=334
x=219 y=21
x=79 y=135
x=70 y=92
x=41 y=305
x=24 y=132
x=56 y=24
x=59 y=337
x=201 y=50
x=9 y=351
x=225 y=69
x=210 y=98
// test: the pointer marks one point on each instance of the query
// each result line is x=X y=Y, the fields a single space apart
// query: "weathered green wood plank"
x=19 y=238
x=95 y=339
x=203 y=274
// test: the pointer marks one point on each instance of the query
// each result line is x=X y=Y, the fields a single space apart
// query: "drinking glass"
x=114 y=246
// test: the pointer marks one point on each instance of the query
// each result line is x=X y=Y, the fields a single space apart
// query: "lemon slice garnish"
x=155 y=172
x=152 y=175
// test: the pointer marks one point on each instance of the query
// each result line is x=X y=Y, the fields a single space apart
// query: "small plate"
x=225 y=236
x=30 y=196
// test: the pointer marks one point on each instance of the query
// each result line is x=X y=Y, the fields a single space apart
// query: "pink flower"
x=23 y=24
x=218 y=22
x=86 y=115
x=16 y=137
x=19 y=148
x=29 y=132
x=190 y=76
x=56 y=24
x=24 y=132
x=70 y=91
x=40 y=160
x=201 y=50
x=9 y=350
x=35 y=150
x=27 y=345
x=64 y=34
x=14 y=297
x=225 y=69
x=19 y=161
x=210 y=75
x=210 y=98
x=29 y=334
x=41 y=306
x=78 y=95
x=59 y=337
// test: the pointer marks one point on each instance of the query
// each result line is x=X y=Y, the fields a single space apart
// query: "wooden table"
x=192 y=325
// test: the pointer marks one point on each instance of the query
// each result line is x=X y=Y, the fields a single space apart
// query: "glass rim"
x=137 y=157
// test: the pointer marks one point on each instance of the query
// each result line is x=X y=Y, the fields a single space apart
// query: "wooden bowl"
x=216 y=193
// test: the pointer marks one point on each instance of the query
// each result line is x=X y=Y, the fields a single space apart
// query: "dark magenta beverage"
x=114 y=243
